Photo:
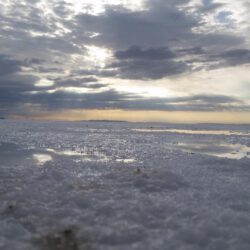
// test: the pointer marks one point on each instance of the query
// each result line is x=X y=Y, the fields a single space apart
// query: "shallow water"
x=192 y=132
x=41 y=159
x=196 y=144
x=230 y=151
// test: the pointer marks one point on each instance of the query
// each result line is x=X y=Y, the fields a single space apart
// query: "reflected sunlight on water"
x=80 y=155
x=231 y=151
x=189 y=131
x=126 y=160
x=41 y=159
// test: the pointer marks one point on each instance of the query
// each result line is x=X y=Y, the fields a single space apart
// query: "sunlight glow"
x=80 y=90
x=157 y=89
x=41 y=159
x=146 y=116
x=44 y=83
x=98 y=6
x=145 y=91
x=97 y=56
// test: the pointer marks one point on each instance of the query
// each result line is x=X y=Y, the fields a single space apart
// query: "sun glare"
x=44 y=83
x=97 y=56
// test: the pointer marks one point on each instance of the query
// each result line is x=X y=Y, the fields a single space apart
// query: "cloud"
x=236 y=56
x=210 y=6
x=21 y=95
x=153 y=27
x=9 y=66
x=12 y=91
x=76 y=82
x=147 y=69
x=149 y=63
x=159 y=40
x=135 y=52
x=164 y=31
x=187 y=103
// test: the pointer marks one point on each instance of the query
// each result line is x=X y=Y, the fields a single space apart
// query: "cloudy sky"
x=145 y=60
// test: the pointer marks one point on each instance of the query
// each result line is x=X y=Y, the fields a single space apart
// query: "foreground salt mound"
x=104 y=186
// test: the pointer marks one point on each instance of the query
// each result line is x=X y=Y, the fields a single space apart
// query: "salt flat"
x=107 y=185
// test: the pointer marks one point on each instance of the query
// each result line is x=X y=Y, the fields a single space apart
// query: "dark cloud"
x=76 y=82
x=192 y=51
x=121 y=29
x=136 y=52
x=148 y=69
x=150 y=63
x=84 y=82
x=114 y=100
x=14 y=94
x=97 y=85
x=236 y=57
x=164 y=32
x=13 y=89
x=44 y=69
x=63 y=99
x=17 y=90
x=35 y=61
x=9 y=66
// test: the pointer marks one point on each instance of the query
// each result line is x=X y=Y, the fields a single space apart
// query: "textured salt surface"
x=111 y=186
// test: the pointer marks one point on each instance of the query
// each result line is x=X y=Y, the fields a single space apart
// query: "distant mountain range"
x=103 y=121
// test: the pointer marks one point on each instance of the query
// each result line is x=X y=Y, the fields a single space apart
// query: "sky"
x=135 y=60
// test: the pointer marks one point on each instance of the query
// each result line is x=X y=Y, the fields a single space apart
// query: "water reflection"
x=41 y=159
x=128 y=160
x=66 y=152
x=231 y=151
x=190 y=131
x=80 y=155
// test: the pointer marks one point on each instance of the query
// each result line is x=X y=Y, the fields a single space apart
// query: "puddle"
x=230 y=151
x=41 y=159
x=66 y=152
x=128 y=160
x=81 y=155
x=193 y=132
